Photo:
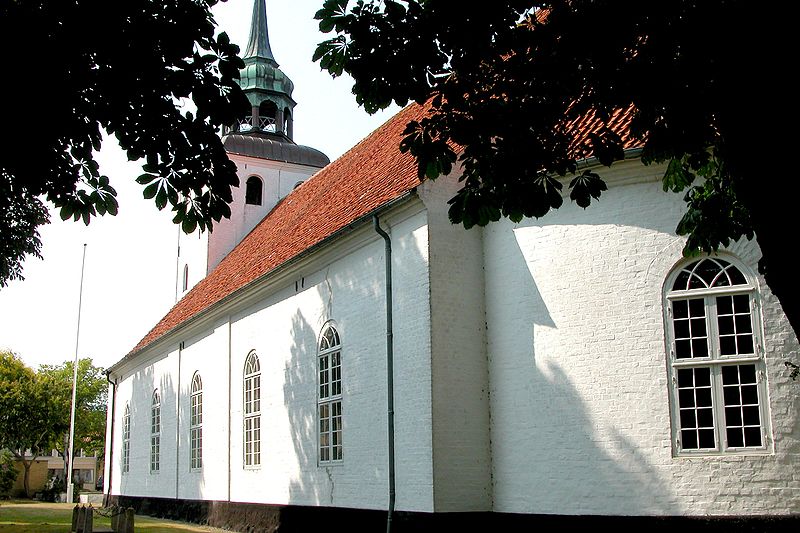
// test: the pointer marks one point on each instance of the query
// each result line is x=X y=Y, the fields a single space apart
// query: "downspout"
x=230 y=355
x=389 y=368
x=110 y=461
x=178 y=425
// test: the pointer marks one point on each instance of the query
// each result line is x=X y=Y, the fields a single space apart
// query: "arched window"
x=330 y=396
x=252 y=411
x=185 y=277
x=253 y=191
x=155 y=432
x=715 y=358
x=126 y=439
x=196 y=424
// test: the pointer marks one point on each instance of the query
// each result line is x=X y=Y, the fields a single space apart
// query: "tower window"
x=253 y=190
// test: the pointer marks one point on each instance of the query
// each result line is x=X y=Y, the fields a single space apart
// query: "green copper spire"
x=258 y=44
x=265 y=85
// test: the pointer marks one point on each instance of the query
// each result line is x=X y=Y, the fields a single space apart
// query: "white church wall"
x=207 y=355
x=136 y=390
x=284 y=331
x=460 y=374
x=579 y=388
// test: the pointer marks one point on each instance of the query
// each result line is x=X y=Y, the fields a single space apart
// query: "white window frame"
x=196 y=423
x=155 y=433
x=710 y=337
x=330 y=448
x=251 y=411
x=126 y=439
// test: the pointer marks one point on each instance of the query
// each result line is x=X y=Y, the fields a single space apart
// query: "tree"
x=512 y=87
x=30 y=411
x=132 y=74
x=90 y=405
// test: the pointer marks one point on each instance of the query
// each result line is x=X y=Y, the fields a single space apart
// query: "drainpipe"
x=389 y=367
x=178 y=425
x=107 y=487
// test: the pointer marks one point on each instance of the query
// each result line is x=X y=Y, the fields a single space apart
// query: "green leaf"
x=189 y=225
x=677 y=177
x=150 y=190
x=161 y=198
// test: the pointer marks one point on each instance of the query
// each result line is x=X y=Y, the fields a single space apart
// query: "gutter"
x=107 y=488
x=389 y=367
x=360 y=221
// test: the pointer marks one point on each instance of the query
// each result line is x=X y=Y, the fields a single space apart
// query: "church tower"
x=270 y=164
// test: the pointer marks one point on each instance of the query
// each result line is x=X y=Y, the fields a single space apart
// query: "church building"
x=341 y=354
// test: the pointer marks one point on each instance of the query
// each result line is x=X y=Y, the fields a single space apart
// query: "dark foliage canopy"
x=76 y=68
x=507 y=81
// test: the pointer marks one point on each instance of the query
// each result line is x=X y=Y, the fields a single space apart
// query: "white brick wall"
x=579 y=398
x=460 y=392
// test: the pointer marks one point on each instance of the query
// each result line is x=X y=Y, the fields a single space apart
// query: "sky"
x=130 y=271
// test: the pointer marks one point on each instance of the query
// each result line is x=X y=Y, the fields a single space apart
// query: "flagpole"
x=70 y=450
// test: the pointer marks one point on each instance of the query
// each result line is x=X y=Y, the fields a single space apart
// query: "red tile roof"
x=369 y=175
x=366 y=177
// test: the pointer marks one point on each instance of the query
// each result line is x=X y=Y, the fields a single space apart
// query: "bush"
x=8 y=473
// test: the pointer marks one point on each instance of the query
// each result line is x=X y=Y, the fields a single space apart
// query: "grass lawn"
x=26 y=516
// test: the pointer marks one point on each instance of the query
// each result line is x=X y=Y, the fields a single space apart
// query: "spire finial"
x=258 y=44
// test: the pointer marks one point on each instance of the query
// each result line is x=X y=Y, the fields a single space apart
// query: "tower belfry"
x=267 y=87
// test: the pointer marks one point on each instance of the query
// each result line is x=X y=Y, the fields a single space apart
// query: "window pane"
x=705 y=418
x=724 y=305
x=689 y=440
x=688 y=418
x=737 y=278
x=743 y=324
x=741 y=303
x=749 y=395
x=730 y=375
x=752 y=436
x=686 y=398
x=680 y=281
x=726 y=326
x=751 y=416
x=683 y=349
x=747 y=373
x=680 y=309
x=733 y=416
x=702 y=377
x=706 y=438
x=735 y=437
x=727 y=345
x=698 y=327
x=699 y=348
x=685 y=377
x=744 y=344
